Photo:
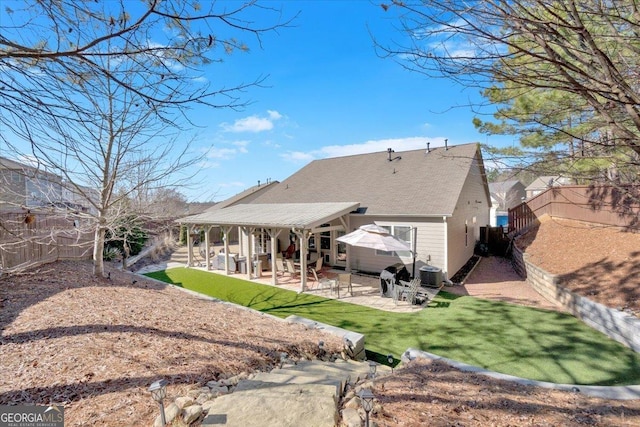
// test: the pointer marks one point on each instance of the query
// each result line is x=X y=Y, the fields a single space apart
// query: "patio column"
x=225 y=235
x=240 y=245
x=346 y=222
x=273 y=234
x=207 y=256
x=303 y=236
x=249 y=232
x=189 y=246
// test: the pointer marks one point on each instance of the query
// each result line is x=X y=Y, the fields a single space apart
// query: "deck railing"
x=608 y=205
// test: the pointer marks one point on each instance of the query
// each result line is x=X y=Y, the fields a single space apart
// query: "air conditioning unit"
x=431 y=276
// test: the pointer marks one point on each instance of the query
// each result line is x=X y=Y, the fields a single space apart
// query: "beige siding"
x=473 y=203
x=429 y=244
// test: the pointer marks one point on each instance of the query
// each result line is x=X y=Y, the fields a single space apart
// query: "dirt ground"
x=434 y=394
x=599 y=262
x=95 y=345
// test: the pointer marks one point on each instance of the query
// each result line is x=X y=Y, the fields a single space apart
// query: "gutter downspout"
x=446 y=246
x=415 y=245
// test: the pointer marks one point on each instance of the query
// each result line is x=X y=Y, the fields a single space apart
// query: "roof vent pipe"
x=389 y=151
x=428 y=148
x=446 y=147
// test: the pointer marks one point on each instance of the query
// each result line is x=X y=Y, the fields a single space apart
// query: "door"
x=341 y=250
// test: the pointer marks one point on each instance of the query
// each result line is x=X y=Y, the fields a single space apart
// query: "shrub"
x=129 y=234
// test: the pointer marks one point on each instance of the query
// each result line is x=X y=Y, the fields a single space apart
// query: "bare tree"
x=565 y=73
x=99 y=92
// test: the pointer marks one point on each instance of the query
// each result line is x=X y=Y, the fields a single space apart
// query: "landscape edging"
x=616 y=324
x=629 y=392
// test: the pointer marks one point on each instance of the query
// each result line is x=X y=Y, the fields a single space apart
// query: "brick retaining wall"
x=616 y=324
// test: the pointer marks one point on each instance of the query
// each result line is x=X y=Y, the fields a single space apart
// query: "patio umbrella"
x=374 y=237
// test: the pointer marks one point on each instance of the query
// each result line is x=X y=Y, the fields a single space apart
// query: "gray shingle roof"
x=501 y=186
x=282 y=215
x=542 y=183
x=245 y=196
x=419 y=183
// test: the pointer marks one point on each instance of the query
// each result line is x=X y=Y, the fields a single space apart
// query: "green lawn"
x=530 y=343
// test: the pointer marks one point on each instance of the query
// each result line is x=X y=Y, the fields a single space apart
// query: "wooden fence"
x=28 y=239
x=607 y=205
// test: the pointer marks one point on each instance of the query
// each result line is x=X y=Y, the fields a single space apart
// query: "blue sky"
x=329 y=94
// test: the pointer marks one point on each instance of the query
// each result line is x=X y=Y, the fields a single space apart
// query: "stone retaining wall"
x=616 y=324
x=353 y=341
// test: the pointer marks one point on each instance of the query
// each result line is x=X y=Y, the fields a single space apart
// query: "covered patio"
x=254 y=221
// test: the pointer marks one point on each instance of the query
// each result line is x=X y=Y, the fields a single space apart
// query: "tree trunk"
x=125 y=254
x=98 y=252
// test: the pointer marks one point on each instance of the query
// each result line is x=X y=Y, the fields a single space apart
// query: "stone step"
x=264 y=380
x=308 y=390
x=284 y=405
x=352 y=371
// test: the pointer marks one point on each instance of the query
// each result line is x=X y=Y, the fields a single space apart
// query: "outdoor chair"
x=344 y=279
x=280 y=269
x=321 y=283
x=291 y=269
x=314 y=271
x=407 y=291
x=387 y=280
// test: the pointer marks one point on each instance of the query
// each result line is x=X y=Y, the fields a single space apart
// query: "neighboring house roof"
x=502 y=186
x=413 y=183
x=27 y=170
x=544 y=182
x=506 y=194
x=194 y=208
x=303 y=216
x=245 y=196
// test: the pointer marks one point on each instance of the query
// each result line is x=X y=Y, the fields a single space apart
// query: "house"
x=23 y=186
x=27 y=187
x=542 y=183
x=504 y=196
x=434 y=199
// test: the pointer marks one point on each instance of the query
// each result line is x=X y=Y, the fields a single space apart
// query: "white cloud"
x=371 y=146
x=205 y=164
x=297 y=157
x=272 y=144
x=221 y=153
x=274 y=115
x=232 y=184
x=241 y=146
x=227 y=150
x=253 y=123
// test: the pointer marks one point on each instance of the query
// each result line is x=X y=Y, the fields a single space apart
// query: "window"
x=15 y=177
x=402 y=232
x=325 y=238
